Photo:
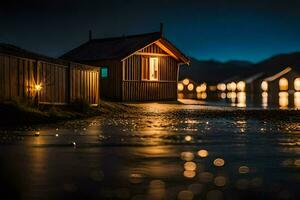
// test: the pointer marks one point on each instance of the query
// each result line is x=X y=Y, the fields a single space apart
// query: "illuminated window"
x=264 y=85
x=241 y=85
x=297 y=84
x=149 y=68
x=283 y=84
x=153 y=64
x=104 y=72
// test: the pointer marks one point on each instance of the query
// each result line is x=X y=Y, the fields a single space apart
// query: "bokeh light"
x=186 y=81
x=283 y=84
x=219 y=162
x=180 y=87
x=202 y=153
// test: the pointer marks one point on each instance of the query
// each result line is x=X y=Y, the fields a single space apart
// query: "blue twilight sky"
x=205 y=29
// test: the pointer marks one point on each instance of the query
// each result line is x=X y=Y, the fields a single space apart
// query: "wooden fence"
x=47 y=82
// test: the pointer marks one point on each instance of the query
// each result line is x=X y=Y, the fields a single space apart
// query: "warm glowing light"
x=231 y=95
x=221 y=86
x=189 y=174
x=37 y=133
x=38 y=87
x=190 y=166
x=203 y=95
x=264 y=85
x=198 y=95
x=241 y=99
x=228 y=86
x=223 y=95
x=297 y=100
x=188 y=138
x=264 y=96
x=219 y=162
x=244 y=170
x=233 y=86
x=191 y=87
x=212 y=88
x=220 y=181
x=241 y=86
x=297 y=84
x=187 y=156
x=283 y=99
x=283 y=84
x=180 y=87
x=186 y=81
x=201 y=88
x=202 y=153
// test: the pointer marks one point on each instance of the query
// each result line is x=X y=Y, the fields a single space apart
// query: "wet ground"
x=159 y=151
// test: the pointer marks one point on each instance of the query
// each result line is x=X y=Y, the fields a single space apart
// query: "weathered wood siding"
x=134 y=88
x=84 y=84
x=16 y=77
x=110 y=87
x=52 y=78
x=61 y=83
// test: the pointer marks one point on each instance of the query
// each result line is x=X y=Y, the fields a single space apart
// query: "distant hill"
x=212 y=71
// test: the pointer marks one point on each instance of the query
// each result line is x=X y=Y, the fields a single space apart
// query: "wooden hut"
x=32 y=77
x=133 y=68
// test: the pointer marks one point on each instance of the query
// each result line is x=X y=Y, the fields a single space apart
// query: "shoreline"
x=16 y=115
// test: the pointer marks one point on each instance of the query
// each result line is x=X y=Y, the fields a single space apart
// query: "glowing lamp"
x=264 y=85
x=233 y=86
x=283 y=84
x=203 y=95
x=241 y=85
x=203 y=87
x=180 y=87
x=297 y=84
x=221 y=86
x=228 y=86
x=186 y=81
x=38 y=87
x=191 y=87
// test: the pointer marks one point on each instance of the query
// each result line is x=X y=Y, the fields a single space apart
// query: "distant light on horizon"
x=241 y=86
x=283 y=84
x=264 y=85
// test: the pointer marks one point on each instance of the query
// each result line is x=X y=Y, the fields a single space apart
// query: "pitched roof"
x=19 y=52
x=118 y=48
x=279 y=74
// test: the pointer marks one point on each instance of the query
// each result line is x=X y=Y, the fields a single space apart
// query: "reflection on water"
x=264 y=96
x=297 y=100
x=282 y=100
x=241 y=99
x=168 y=152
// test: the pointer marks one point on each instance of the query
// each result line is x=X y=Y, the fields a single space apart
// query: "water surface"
x=163 y=151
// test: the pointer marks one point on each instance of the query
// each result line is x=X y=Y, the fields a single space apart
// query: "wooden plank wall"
x=16 y=78
x=60 y=84
x=84 y=84
x=52 y=79
x=136 y=89
x=110 y=87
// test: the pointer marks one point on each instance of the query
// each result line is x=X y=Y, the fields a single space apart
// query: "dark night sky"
x=213 y=29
